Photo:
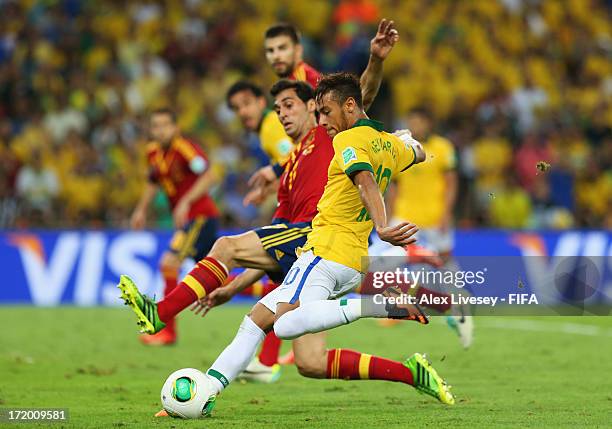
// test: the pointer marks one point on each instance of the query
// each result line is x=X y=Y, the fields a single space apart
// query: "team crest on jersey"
x=284 y=146
x=349 y=155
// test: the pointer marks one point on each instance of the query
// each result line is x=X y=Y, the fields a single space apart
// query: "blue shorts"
x=280 y=241
x=195 y=239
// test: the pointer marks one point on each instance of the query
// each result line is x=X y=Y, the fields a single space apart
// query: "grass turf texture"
x=89 y=360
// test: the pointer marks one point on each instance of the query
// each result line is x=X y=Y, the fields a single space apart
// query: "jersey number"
x=381 y=175
x=291 y=275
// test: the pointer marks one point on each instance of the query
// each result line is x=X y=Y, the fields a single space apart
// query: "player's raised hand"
x=259 y=194
x=262 y=176
x=385 y=39
x=398 y=235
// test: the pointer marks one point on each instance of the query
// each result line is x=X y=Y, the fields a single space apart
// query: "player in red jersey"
x=180 y=167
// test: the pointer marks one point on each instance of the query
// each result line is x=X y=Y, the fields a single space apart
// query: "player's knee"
x=309 y=365
x=290 y=325
x=287 y=327
x=224 y=249
x=262 y=317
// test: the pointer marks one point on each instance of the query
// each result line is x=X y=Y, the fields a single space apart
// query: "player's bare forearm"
x=390 y=198
x=199 y=188
x=371 y=197
x=245 y=279
x=380 y=47
x=370 y=81
x=147 y=196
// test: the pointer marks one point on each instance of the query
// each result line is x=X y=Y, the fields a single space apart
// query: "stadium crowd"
x=510 y=82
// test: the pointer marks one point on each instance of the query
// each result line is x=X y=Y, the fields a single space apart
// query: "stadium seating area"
x=510 y=82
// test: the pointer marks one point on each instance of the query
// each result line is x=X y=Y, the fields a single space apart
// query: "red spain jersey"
x=306 y=73
x=173 y=170
x=305 y=176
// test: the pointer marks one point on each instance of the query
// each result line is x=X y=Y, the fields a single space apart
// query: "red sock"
x=170 y=277
x=351 y=365
x=268 y=287
x=270 y=349
x=432 y=294
x=206 y=276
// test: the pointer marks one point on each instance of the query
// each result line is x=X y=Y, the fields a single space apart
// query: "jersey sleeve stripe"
x=186 y=150
x=359 y=166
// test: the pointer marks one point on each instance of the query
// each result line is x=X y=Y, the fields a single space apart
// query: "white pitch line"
x=537 y=326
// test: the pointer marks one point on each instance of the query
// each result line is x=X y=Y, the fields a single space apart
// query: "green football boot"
x=427 y=380
x=144 y=307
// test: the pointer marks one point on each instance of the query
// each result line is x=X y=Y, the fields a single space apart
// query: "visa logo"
x=88 y=264
x=541 y=264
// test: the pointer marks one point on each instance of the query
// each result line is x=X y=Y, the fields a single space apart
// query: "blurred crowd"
x=510 y=82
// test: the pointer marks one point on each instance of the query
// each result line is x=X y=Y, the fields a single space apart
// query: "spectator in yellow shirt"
x=426 y=194
x=511 y=206
x=248 y=101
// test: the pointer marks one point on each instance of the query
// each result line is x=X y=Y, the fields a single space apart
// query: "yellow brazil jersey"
x=274 y=142
x=341 y=229
x=421 y=193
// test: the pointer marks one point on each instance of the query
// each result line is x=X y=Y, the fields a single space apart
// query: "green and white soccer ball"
x=188 y=394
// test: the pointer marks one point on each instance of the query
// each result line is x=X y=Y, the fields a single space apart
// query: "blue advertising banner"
x=49 y=268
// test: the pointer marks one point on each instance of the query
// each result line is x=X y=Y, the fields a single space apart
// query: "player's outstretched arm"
x=372 y=199
x=223 y=294
x=263 y=182
x=406 y=136
x=380 y=46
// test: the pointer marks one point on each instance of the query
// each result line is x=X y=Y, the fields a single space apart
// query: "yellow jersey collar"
x=365 y=122
x=264 y=115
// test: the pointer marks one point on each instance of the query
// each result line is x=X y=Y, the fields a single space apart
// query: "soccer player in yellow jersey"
x=366 y=159
x=248 y=101
x=427 y=195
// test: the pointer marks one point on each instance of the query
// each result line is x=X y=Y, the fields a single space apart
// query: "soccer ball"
x=188 y=394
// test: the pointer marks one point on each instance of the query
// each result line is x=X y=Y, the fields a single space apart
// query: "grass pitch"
x=546 y=372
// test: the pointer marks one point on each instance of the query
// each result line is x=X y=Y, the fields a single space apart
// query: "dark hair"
x=303 y=89
x=243 y=85
x=165 y=111
x=342 y=85
x=422 y=111
x=284 y=29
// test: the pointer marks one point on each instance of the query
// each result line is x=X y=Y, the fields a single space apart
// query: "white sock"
x=317 y=316
x=236 y=357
